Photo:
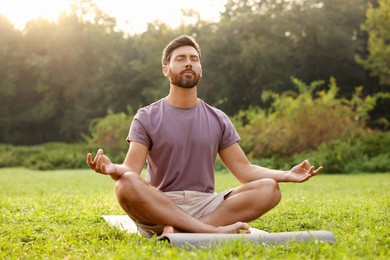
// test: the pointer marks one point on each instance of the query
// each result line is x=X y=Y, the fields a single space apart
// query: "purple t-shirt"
x=183 y=143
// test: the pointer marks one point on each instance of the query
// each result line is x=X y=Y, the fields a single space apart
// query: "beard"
x=184 y=80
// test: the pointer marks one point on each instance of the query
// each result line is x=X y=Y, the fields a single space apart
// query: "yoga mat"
x=188 y=240
x=123 y=222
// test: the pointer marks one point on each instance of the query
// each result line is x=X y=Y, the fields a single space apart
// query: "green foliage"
x=260 y=44
x=327 y=130
x=368 y=153
x=300 y=122
x=377 y=25
x=57 y=215
x=47 y=156
x=61 y=76
x=110 y=132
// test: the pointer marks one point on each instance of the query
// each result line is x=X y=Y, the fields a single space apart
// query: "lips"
x=188 y=72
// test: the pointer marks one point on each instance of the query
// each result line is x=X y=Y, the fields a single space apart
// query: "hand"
x=302 y=172
x=101 y=163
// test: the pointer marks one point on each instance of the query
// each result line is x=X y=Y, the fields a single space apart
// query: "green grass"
x=57 y=215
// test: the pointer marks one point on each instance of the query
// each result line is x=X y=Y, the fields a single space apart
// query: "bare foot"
x=168 y=229
x=236 y=228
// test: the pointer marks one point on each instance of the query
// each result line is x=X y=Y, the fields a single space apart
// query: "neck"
x=182 y=97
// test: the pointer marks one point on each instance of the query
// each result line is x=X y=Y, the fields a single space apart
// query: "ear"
x=165 y=70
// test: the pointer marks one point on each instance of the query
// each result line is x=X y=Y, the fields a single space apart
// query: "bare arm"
x=237 y=162
x=134 y=161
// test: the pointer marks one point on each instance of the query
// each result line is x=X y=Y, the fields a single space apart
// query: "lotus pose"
x=179 y=137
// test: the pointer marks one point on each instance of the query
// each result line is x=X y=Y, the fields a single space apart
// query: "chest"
x=187 y=130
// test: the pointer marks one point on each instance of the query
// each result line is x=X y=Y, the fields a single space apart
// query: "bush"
x=47 y=156
x=369 y=153
x=297 y=122
x=110 y=132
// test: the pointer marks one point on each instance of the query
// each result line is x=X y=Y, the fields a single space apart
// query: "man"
x=180 y=136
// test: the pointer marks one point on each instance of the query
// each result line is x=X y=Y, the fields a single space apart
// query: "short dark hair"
x=183 y=40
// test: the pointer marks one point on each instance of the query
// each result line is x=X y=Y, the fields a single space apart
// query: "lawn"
x=57 y=215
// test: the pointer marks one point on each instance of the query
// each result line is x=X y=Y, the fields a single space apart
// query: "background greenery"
x=56 y=78
x=57 y=215
x=317 y=125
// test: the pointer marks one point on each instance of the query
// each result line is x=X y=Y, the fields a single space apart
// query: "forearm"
x=255 y=172
x=237 y=162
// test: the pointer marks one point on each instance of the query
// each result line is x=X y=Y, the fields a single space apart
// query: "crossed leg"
x=246 y=203
x=149 y=206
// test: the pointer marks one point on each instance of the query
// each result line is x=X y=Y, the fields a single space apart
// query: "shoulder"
x=216 y=111
x=149 y=109
x=211 y=108
x=155 y=105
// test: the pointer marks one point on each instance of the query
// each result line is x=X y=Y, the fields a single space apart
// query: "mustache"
x=188 y=71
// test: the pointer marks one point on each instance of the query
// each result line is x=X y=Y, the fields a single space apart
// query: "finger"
x=99 y=162
x=99 y=152
x=316 y=172
x=305 y=164
x=103 y=169
x=310 y=173
x=89 y=160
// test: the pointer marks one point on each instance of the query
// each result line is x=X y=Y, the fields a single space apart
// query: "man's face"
x=184 y=69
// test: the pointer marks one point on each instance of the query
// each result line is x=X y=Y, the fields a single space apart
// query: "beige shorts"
x=194 y=203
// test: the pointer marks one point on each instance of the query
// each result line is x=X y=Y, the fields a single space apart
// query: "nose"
x=188 y=62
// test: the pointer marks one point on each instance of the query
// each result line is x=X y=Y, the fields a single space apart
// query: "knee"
x=271 y=187
x=127 y=184
x=270 y=183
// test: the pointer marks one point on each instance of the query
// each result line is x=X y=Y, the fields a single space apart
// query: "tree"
x=327 y=37
x=11 y=67
x=59 y=76
x=258 y=45
x=377 y=25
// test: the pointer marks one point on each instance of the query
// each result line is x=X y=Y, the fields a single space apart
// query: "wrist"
x=284 y=177
x=116 y=173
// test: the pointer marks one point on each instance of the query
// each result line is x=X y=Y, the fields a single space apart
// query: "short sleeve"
x=229 y=134
x=138 y=130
